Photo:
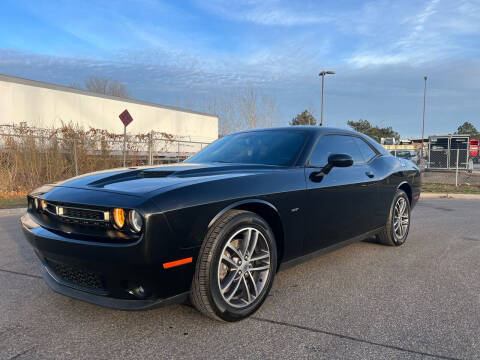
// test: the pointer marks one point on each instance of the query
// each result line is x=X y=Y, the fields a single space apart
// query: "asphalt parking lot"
x=419 y=301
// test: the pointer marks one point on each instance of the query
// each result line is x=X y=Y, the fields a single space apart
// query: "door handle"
x=370 y=174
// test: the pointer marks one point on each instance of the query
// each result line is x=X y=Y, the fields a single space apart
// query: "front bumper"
x=119 y=304
x=103 y=273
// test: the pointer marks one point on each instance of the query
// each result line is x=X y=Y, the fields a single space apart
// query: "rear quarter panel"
x=393 y=173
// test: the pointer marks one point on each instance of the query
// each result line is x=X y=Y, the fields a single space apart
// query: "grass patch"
x=13 y=199
x=450 y=189
x=13 y=202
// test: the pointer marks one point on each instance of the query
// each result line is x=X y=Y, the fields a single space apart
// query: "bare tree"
x=248 y=108
x=118 y=89
x=97 y=85
x=236 y=109
x=106 y=87
x=269 y=110
x=75 y=85
x=242 y=109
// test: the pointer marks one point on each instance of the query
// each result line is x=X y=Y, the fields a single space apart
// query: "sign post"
x=126 y=120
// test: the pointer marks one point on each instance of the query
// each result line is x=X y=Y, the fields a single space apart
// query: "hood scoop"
x=129 y=176
x=155 y=174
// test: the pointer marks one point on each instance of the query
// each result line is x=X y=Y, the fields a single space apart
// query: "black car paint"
x=180 y=202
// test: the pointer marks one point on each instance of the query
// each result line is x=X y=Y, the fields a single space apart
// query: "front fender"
x=241 y=203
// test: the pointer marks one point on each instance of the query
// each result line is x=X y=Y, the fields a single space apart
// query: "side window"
x=335 y=144
x=367 y=152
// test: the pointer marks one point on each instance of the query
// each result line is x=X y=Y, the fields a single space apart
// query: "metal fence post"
x=449 y=155
x=150 y=149
x=124 y=146
x=429 y=153
x=75 y=156
x=456 y=173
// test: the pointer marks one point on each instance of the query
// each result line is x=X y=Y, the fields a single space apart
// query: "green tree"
x=361 y=125
x=305 y=118
x=467 y=128
x=374 y=132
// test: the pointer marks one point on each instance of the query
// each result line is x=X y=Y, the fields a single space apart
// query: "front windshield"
x=256 y=147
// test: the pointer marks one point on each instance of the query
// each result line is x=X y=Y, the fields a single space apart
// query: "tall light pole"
x=423 y=122
x=322 y=74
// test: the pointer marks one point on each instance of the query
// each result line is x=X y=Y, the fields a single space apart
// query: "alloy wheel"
x=244 y=267
x=400 y=219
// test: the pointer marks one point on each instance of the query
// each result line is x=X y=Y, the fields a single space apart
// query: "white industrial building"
x=40 y=104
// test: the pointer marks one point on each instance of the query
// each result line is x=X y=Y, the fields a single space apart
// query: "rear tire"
x=396 y=229
x=235 y=267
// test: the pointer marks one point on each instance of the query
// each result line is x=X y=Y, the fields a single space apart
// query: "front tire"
x=235 y=267
x=397 y=227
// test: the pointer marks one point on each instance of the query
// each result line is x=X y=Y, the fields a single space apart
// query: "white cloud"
x=431 y=34
x=266 y=12
x=372 y=59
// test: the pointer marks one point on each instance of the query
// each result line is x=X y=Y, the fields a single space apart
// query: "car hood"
x=143 y=180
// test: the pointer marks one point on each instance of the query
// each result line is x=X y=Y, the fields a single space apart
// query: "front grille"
x=77 y=276
x=77 y=215
x=83 y=214
x=84 y=222
x=51 y=208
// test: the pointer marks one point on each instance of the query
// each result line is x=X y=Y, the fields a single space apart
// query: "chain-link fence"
x=31 y=158
x=449 y=163
x=439 y=165
x=444 y=159
x=448 y=152
x=442 y=180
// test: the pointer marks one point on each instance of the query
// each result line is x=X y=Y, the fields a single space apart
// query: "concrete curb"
x=450 y=196
x=10 y=212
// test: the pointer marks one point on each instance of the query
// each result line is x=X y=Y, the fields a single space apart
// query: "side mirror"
x=337 y=160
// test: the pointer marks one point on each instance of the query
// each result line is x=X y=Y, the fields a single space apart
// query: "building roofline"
x=309 y=128
x=45 y=85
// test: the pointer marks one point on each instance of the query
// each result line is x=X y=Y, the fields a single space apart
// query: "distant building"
x=40 y=104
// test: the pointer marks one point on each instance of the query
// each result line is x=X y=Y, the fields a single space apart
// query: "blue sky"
x=181 y=52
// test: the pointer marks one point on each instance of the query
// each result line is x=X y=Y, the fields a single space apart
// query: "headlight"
x=35 y=203
x=119 y=217
x=43 y=205
x=135 y=220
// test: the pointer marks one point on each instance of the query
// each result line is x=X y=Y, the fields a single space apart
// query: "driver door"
x=339 y=203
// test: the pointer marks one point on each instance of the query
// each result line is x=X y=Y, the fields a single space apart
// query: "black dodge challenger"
x=216 y=228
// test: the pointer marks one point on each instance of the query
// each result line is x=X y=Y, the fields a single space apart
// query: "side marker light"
x=171 y=264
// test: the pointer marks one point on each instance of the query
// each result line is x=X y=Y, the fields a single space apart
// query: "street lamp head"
x=323 y=73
